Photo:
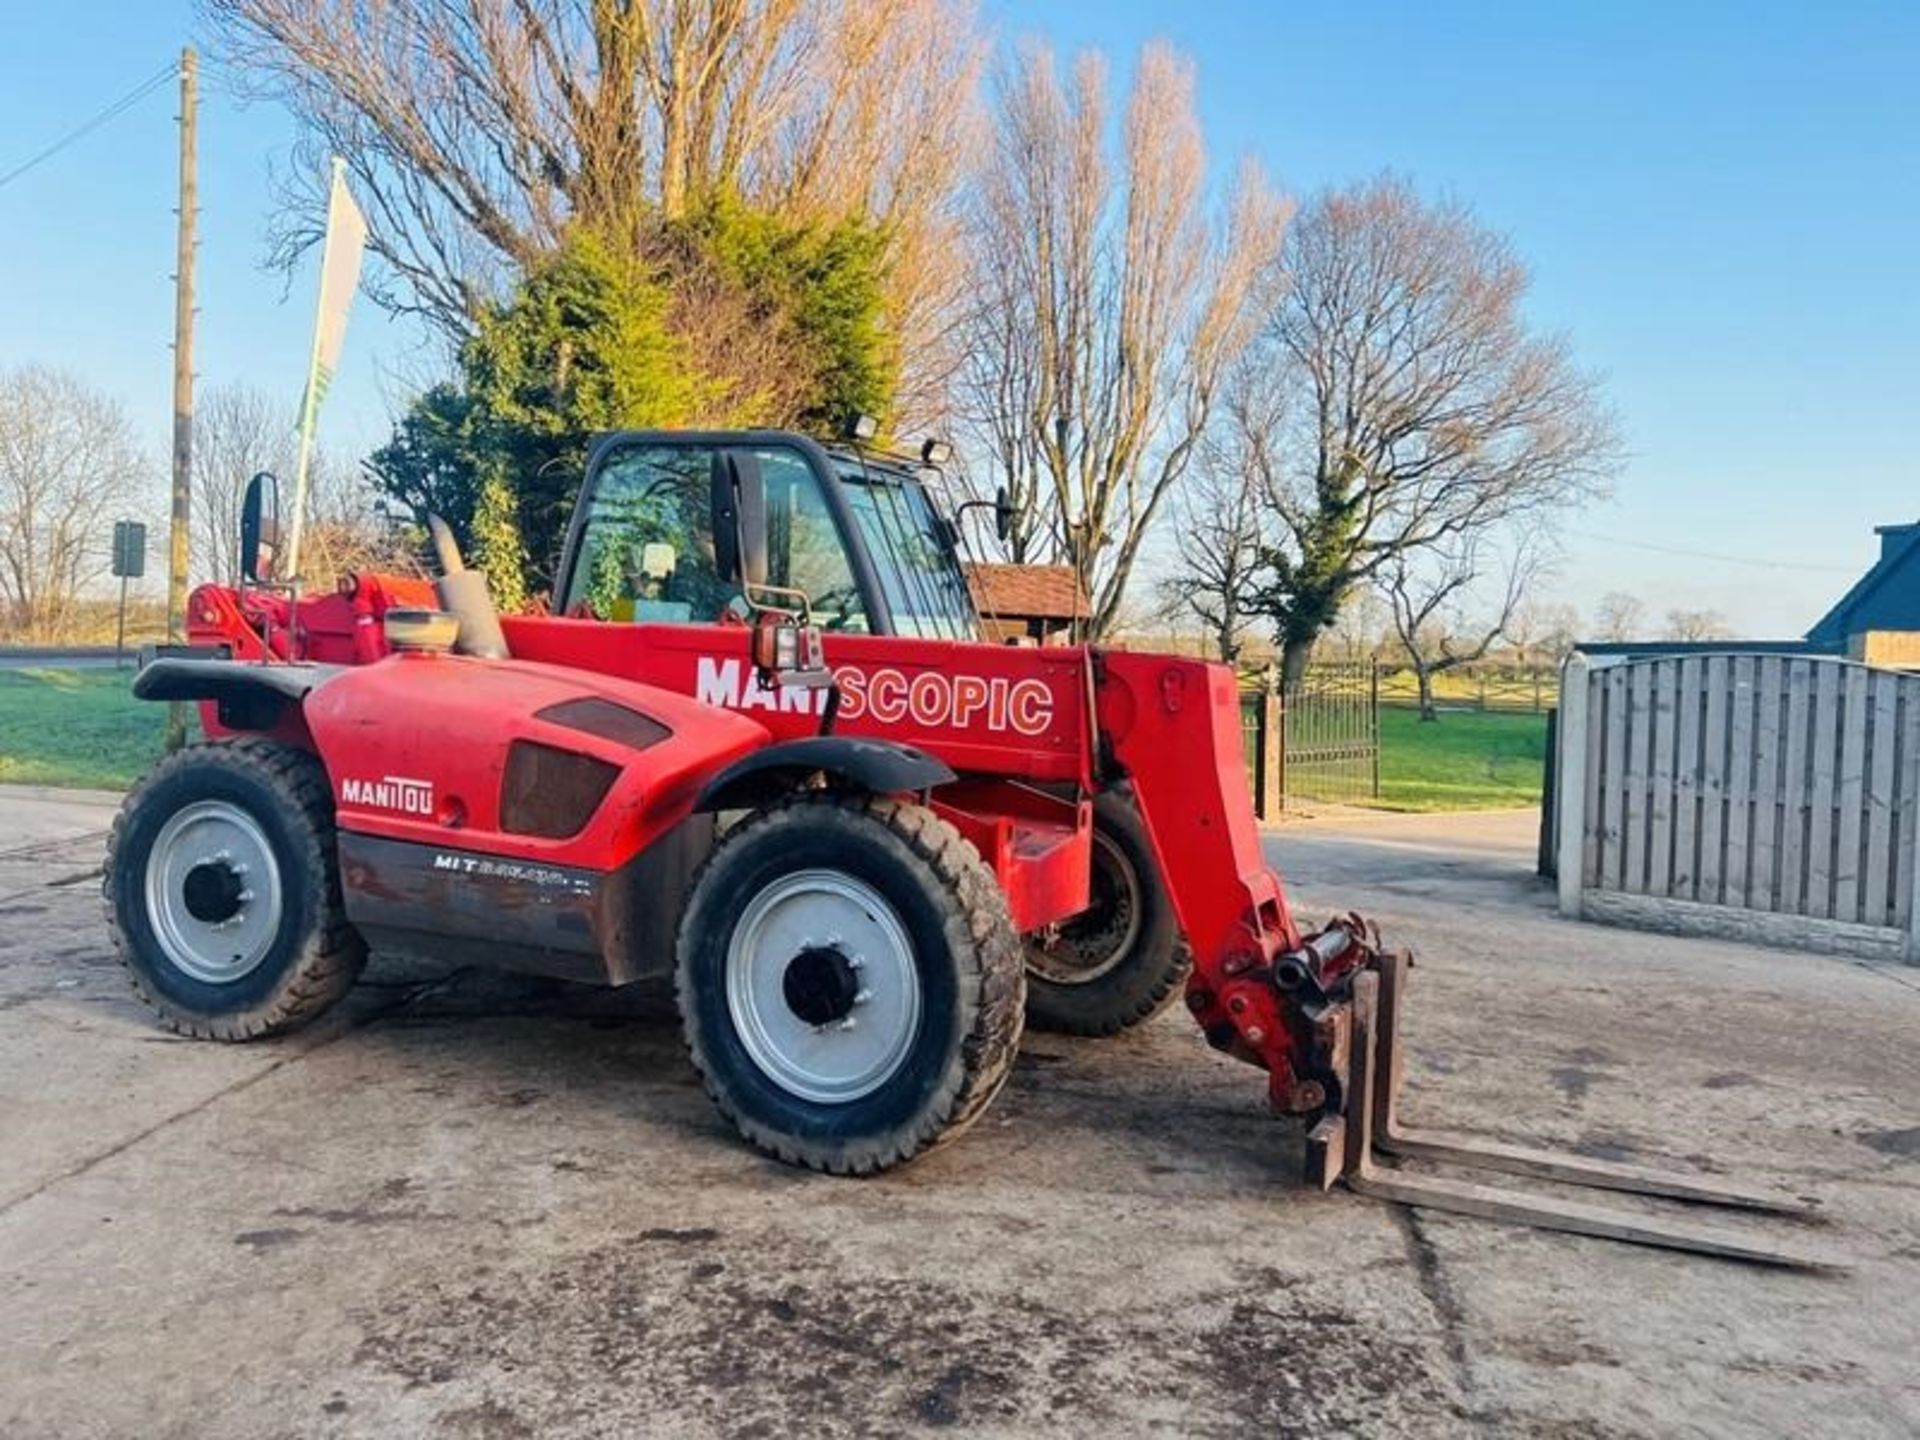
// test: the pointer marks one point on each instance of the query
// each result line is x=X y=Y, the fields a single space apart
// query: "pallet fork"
x=1348 y=1146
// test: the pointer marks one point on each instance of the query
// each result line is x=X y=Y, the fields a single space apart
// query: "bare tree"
x=477 y=131
x=1619 y=617
x=1429 y=590
x=1217 y=519
x=348 y=531
x=1419 y=411
x=238 y=431
x=1364 y=629
x=69 y=468
x=1543 y=632
x=1109 y=305
x=1694 y=626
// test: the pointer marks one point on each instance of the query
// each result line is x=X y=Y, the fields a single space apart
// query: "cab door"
x=642 y=548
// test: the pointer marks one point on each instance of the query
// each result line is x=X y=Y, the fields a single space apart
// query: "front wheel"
x=223 y=891
x=849 y=982
x=1120 y=961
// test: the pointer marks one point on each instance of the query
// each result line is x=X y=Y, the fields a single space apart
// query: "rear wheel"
x=1121 y=960
x=849 y=981
x=223 y=893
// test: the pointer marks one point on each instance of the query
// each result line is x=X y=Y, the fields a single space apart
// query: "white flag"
x=339 y=278
x=340 y=256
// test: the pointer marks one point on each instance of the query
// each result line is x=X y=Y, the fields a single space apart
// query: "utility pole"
x=183 y=381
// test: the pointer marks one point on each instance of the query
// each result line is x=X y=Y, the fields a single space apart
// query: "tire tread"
x=332 y=957
x=977 y=925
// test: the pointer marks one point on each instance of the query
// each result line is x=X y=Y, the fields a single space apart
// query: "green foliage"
x=599 y=337
x=817 y=288
x=428 y=465
x=1311 y=580
x=497 y=545
x=583 y=346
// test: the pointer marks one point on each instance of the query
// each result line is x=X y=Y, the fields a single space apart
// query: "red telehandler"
x=930 y=840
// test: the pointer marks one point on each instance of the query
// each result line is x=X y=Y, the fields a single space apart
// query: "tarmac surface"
x=470 y=1206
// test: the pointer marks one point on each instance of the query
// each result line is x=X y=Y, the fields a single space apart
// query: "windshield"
x=918 y=571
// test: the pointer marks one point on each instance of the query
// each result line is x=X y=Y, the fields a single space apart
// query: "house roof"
x=1887 y=597
x=1028 y=592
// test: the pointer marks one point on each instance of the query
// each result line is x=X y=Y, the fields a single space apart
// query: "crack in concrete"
x=1885 y=973
x=34 y=847
x=120 y=1147
x=1439 y=1293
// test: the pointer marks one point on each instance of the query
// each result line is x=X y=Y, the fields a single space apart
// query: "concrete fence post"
x=1912 y=951
x=1570 y=783
x=1273 y=746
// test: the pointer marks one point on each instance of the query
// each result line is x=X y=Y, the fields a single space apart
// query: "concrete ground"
x=490 y=1208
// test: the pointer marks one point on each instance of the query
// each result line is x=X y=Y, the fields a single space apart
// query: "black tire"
x=310 y=955
x=1076 y=983
x=963 y=951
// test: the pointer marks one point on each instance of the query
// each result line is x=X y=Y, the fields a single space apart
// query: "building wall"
x=1893 y=649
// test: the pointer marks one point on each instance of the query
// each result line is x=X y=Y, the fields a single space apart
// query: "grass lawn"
x=76 y=727
x=1465 y=760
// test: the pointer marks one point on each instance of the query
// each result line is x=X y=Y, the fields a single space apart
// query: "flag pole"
x=310 y=401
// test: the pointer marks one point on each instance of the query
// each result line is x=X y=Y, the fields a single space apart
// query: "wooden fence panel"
x=1881 y=799
x=1713 y=781
x=1613 y=866
x=1763 y=844
x=1660 y=809
x=1744 y=702
x=1796 y=741
x=1689 y=699
x=1785 y=785
x=1906 y=858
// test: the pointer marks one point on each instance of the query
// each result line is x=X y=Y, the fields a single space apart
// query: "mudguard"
x=246 y=696
x=879 y=766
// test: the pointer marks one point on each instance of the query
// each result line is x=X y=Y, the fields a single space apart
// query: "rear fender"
x=236 y=694
x=881 y=767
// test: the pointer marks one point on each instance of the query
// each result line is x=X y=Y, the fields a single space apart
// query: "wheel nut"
x=849 y=1023
x=1255 y=1035
x=863 y=997
x=1238 y=1004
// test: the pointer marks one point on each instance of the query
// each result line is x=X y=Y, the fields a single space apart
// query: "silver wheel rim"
x=1066 y=960
x=213 y=891
x=823 y=914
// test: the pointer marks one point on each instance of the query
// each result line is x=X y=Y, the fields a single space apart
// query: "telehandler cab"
x=934 y=838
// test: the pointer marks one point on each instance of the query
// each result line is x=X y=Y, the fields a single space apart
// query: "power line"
x=1714 y=555
x=87 y=127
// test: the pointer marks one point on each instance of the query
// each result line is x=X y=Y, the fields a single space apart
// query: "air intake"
x=551 y=793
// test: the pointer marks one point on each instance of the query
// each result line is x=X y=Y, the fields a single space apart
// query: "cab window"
x=804 y=548
x=647 y=551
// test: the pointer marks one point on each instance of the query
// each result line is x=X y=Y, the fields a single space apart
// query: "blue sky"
x=1720 y=204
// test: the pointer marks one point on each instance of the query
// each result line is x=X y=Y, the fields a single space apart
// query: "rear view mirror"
x=739 y=519
x=1003 y=515
x=260 y=530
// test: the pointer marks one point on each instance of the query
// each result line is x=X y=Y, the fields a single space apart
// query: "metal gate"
x=1321 y=741
x=1331 y=747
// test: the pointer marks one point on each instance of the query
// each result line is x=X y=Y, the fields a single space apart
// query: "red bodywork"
x=1022 y=728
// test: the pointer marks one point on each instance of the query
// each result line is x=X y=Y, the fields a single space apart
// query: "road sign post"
x=129 y=563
